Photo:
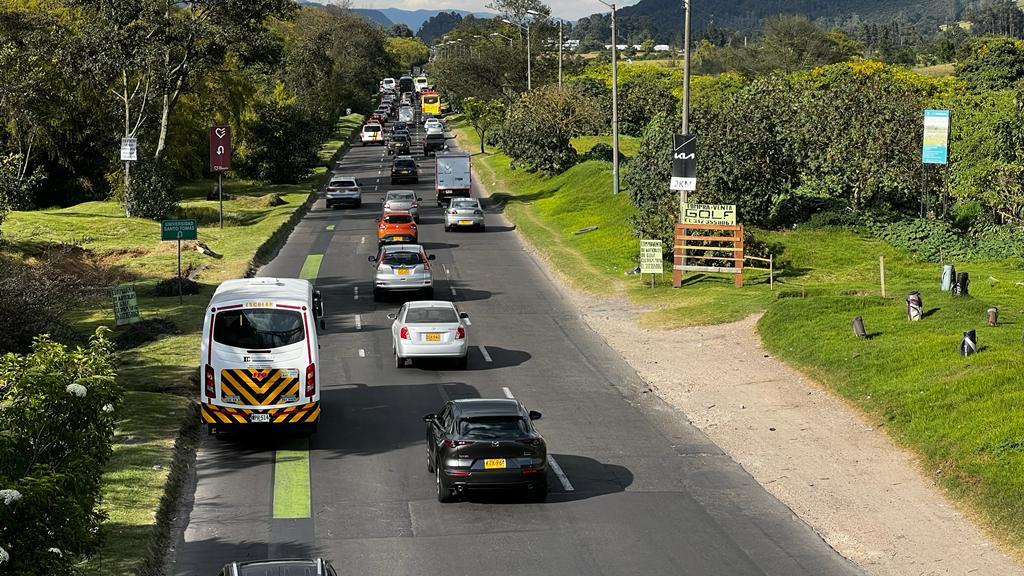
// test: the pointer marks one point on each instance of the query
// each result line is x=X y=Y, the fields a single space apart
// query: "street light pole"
x=529 y=62
x=686 y=73
x=559 y=53
x=615 y=103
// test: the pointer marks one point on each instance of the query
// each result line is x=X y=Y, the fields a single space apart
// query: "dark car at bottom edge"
x=475 y=444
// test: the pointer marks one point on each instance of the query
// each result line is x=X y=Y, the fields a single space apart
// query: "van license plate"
x=257 y=418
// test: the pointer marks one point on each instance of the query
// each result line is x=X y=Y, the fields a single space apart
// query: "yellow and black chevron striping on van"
x=259 y=387
x=304 y=414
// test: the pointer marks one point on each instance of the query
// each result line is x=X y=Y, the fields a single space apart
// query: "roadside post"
x=129 y=154
x=178 y=230
x=651 y=261
x=220 y=160
x=934 y=151
x=718 y=232
x=126 y=305
x=684 y=179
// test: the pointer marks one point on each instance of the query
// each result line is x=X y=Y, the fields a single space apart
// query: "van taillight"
x=210 y=392
x=310 y=380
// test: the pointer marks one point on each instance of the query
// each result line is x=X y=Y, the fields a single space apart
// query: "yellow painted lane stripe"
x=291 y=482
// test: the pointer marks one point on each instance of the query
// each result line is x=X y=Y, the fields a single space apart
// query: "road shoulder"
x=821 y=457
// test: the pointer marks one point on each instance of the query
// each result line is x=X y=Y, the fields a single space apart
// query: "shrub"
x=603 y=152
x=143 y=331
x=646 y=176
x=34 y=300
x=150 y=192
x=169 y=287
x=56 y=425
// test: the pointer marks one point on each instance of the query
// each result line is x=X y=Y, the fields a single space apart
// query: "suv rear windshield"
x=493 y=428
x=343 y=183
x=398 y=219
x=402 y=258
x=400 y=138
x=371 y=128
x=430 y=99
x=405 y=163
x=463 y=204
x=431 y=316
x=258 y=328
x=401 y=196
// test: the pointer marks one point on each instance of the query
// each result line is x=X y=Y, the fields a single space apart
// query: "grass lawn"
x=959 y=415
x=628 y=145
x=938 y=70
x=156 y=375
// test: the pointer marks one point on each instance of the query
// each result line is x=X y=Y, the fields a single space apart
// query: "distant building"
x=662 y=48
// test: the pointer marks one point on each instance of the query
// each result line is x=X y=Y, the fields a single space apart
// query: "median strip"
x=291 y=483
x=311 y=267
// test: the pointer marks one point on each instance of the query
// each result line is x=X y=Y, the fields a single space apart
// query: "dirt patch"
x=91 y=269
x=823 y=458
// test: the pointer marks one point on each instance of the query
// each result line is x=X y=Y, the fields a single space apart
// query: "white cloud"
x=569 y=9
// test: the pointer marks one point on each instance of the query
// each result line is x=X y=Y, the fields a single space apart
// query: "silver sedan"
x=429 y=329
x=402 y=268
x=399 y=200
x=464 y=212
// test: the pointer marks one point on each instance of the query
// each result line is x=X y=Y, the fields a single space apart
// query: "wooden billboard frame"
x=686 y=243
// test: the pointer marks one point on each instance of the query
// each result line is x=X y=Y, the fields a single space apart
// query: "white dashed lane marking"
x=483 y=352
x=362 y=353
x=508 y=393
x=359 y=322
x=355 y=295
x=566 y=485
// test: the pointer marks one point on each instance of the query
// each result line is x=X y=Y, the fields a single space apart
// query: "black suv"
x=404 y=169
x=280 y=567
x=399 y=144
x=485 y=443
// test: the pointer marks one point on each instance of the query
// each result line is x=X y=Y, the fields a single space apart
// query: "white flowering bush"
x=57 y=421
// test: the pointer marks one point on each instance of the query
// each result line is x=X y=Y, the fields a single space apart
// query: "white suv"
x=371 y=134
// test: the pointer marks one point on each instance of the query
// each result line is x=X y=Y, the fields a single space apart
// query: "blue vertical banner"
x=935 y=146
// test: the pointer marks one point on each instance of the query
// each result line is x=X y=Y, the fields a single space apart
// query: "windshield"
x=405 y=163
x=430 y=99
x=401 y=196
x=398 y=219
x=343 y=183
x=258 y=328
x=371 y=128
x=400 y=138
x=431 y=316
x=464 y=204
x=493 y=428
x=402 y=258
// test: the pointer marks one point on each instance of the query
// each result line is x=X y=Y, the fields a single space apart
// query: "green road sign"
x=178 y=230
x=126 y=305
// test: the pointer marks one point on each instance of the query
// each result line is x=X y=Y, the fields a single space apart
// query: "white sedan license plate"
x=433 y=337
x=259 y=418
x=465 y=222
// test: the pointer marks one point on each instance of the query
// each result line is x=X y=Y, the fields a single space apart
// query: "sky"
x=568 y=9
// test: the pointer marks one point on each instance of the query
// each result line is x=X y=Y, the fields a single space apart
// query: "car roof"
x=487 y=407
x=402 y=248
x=430 y=304
x=337 y=176
x=280 y=567
x=261 y=290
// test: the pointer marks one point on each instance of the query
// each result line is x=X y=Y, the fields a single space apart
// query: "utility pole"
x=529 y=62
x=560 y=53
x=686 y=69
x=615 y=103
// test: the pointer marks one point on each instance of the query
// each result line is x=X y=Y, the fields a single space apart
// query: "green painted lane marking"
x=291 y=483
x=311 y=267
x=330 y=226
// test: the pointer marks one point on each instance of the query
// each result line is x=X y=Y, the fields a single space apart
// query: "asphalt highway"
x=641 y=491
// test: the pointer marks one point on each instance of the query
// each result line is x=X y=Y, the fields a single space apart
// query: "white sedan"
x=429 y=329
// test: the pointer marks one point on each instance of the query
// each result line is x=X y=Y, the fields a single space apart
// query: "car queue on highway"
x=260 y=339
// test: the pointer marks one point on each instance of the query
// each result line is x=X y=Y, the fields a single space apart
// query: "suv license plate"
x=256 y=418
x=494 y=463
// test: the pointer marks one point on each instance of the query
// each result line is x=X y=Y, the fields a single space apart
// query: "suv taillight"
x=456 y=443
x=310 y=380
x=531 y=441
x=210 y=391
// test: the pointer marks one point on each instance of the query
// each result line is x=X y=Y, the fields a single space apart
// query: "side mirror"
x=534 y=415
x=371 y=258
x=431 y=257
x=377 y=219
x=323 y=323
x=392 y=316
x=463 y=315
x=419 y=199
x=430 y=418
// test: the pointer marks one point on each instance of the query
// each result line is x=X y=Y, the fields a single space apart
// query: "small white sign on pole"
x=651 y=261
x=682 y=184
x=129 y=149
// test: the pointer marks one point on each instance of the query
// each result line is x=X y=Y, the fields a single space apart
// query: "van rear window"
x=258 y=328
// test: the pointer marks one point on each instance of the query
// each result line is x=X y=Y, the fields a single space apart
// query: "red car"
x=396 y=227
